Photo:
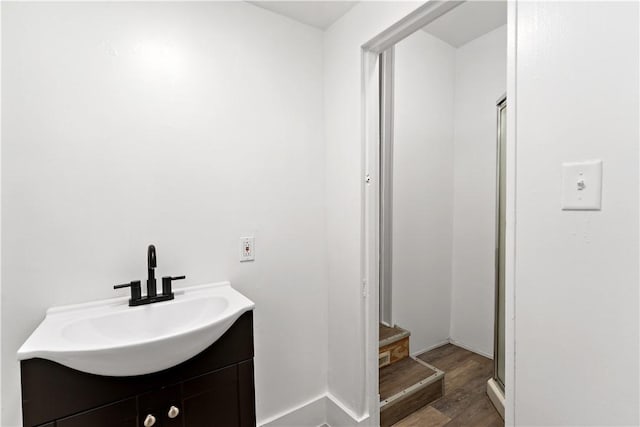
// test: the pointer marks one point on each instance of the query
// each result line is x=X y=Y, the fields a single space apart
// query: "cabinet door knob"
x=173 y=412
x=149 y=421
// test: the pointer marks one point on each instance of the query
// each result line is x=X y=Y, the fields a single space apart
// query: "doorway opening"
x=441 y=214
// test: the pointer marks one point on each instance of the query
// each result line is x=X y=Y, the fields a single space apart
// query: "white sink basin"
x=110 y=338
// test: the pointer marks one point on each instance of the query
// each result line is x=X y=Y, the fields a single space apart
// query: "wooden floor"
x=465 y=401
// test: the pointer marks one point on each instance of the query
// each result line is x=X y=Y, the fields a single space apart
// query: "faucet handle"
x=166 y=284
x=135 y=286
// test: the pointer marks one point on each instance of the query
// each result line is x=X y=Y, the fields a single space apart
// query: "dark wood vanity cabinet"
x=123 y=413
x=215 y=388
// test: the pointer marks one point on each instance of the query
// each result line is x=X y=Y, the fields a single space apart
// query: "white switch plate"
x=247 y=249
x=582 y=185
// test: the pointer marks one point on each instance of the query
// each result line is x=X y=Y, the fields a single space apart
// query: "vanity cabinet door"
x=159 y=404
x=211 y=400
x=119 y=414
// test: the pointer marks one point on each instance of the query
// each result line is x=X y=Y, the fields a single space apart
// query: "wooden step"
x=405 y=387
x=393 y=345
x=388 y=335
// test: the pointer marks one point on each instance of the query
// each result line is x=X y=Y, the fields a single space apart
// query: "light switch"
x=582 y=185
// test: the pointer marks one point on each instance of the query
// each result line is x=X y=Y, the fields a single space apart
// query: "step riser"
x=396 y=352
x=401 y=408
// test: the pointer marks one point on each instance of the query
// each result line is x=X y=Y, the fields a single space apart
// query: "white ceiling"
x=457 y=27
x=320 y=14
x=468 y=21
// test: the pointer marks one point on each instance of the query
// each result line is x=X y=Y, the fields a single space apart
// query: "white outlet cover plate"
x=247 y=248
x=582 y=185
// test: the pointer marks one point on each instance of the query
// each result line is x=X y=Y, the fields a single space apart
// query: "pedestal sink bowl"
x=110 y=338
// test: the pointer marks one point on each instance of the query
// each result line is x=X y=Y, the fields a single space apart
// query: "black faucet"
x=152 y=293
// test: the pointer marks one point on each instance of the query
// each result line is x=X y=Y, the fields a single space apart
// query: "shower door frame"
x=371 y=196
x=501 y=104
x=387 y=66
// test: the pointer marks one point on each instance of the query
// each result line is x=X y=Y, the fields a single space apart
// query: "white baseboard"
x=324 y=410
x=327 y=410
x=456 y=343
x=471 y=349
x=338 y=415
x=431 y=347
x=312 y=413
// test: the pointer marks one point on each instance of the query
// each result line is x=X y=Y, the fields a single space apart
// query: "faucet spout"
x=151 y=265
x=151 y=257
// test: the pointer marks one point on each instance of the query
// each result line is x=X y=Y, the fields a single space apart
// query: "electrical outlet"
x=247 y=249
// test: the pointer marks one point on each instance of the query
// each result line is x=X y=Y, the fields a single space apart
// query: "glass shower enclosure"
x=495 y=386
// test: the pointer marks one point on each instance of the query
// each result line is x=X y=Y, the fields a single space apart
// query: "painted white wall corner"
x=312 y=413
x=1 y=406
x=338 y=415
x=422 y=202
x=480 y=76
x=324 y=410
x=343 y=41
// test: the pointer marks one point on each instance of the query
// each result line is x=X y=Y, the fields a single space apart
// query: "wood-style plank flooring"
x=465 y=402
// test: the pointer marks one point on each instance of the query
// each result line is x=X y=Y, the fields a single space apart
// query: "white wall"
x=1 y=406
x=186 y=125
x=480 y=79
x=343 y=138
x=445 y=188
x=423 y=188
x=576 y=308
